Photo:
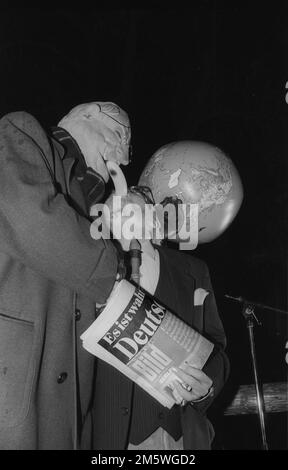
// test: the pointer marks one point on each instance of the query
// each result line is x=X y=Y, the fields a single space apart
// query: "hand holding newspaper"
x=143 y=340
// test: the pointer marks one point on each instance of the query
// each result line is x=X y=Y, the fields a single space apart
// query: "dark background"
x=214 y=72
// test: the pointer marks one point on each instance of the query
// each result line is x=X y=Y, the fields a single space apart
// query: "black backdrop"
x=214 y=72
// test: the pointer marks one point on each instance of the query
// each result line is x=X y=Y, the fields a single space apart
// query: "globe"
x=198 y=173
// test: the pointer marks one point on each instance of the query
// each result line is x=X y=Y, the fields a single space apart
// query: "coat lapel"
x=176 y=285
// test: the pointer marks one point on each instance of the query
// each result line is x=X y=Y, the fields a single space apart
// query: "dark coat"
x=123 y=411
x=51 y=274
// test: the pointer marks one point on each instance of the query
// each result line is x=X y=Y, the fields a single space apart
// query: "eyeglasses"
x=145 y=192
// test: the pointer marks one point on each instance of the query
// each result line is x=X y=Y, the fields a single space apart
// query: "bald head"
x=102 y=131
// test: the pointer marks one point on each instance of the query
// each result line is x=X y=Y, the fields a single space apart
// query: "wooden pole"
x=245 y=401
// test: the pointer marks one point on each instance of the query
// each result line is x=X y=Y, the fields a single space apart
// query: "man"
x=52 y=273
x=125 y=415
x=185 y=426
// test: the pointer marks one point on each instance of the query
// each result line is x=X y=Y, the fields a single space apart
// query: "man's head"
x=102 y=131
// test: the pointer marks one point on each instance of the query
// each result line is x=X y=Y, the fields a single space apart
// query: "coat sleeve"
x=217 y=367
x=37 y=225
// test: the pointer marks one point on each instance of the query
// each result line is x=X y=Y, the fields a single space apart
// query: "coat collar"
x=92 y=184
x=69 y=151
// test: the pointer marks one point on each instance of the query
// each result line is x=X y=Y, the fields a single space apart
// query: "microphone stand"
x=250 y=317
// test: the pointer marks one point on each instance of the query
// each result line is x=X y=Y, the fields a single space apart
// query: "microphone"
x=135 y=260
x=255 y=304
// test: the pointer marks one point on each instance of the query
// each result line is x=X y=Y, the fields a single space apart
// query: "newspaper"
x=144 y=340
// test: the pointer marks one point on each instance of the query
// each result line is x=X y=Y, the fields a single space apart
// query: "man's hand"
x=196 y=385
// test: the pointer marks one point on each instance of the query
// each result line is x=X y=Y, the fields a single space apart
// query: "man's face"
x=117 y=138
x=100 y=143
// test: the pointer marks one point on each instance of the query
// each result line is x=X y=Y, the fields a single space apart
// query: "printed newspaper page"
x=144 y=340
